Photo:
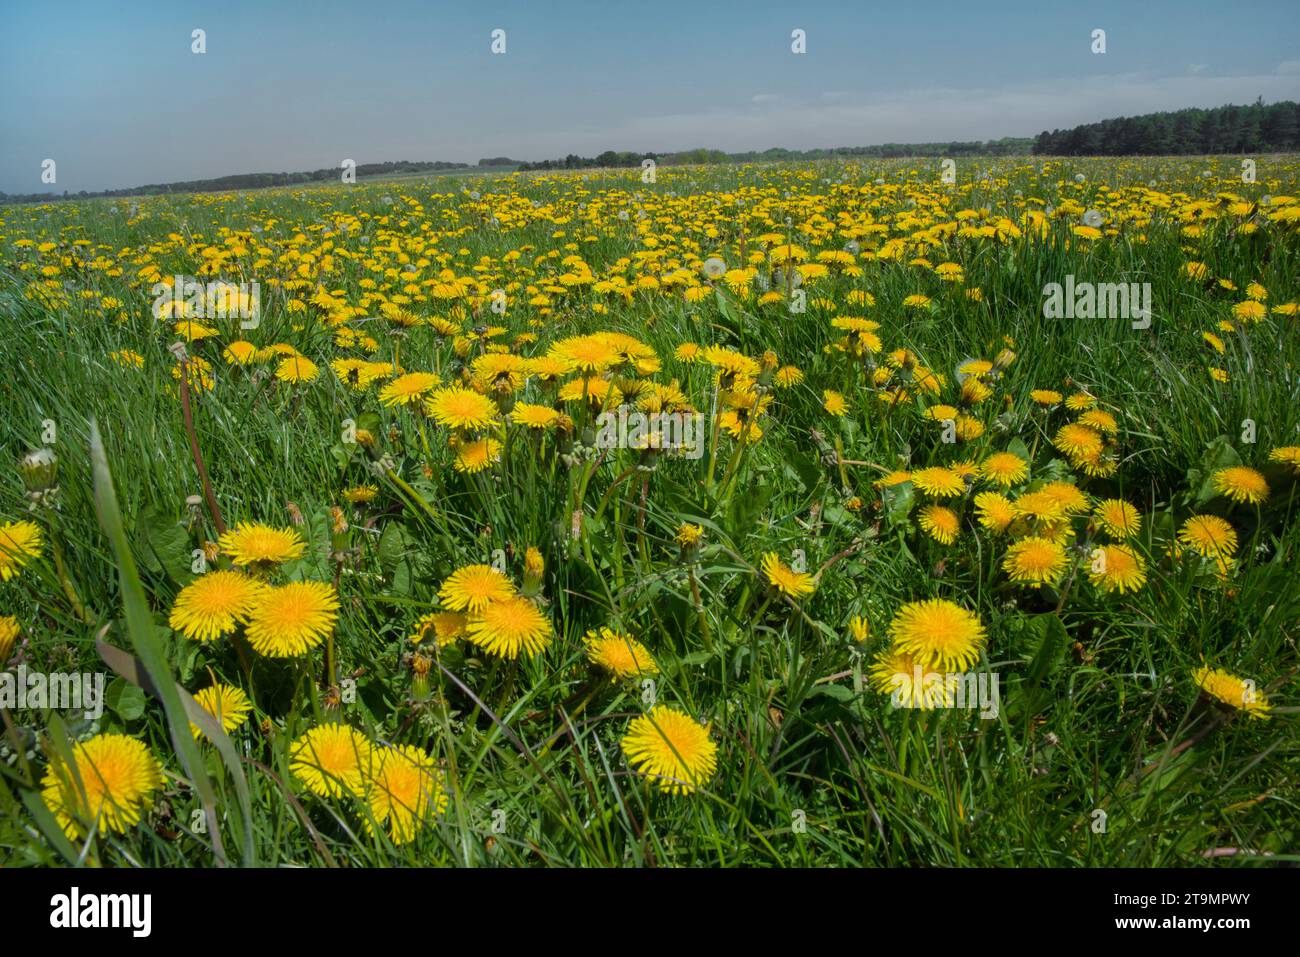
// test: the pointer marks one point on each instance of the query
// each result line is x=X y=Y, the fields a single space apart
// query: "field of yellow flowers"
x=837 y=514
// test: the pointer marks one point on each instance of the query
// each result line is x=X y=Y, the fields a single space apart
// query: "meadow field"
x=878 y=513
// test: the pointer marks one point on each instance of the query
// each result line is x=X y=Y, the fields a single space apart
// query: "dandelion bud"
x=688 y=537
x=534 y=569
x=40 y=470
x=421 y=665
x=860 y=627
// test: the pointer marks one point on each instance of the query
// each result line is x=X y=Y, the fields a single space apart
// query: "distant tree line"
x=247 y=181
x=1006 y=146
x=1226 y=129
x=609 y=158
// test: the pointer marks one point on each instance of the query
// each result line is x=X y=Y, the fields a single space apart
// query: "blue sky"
x=113 y=93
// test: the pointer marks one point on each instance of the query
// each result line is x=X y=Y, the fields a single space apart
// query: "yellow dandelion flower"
x=9 y=632
x=1287 y=455
x=446 y=626
x=460 y=408
x=1005 y=469
x=109 y=787
x=332 y=760
x=909 y=682
x=591 y=353
x=622 y=656
x=1071 y=499
x=404 y=791
x=239 y=353
x=292 y=619
x=941 y=524
x=938 y=482
x=475 y=456
x=938 y=633
x=785 y=579
x=1249 y=311
x=1241 y=484
x=994 y=512
x=296 y=369
x=834 y=403
x=1118 y=518
x=1099 y=420
x=20 y=542
x=1035 y=561
x=226 y=703
x=474 y=587
x=214 y=604
x=1239 y=693
x=1040 y=507
x=787 y=377
x=1208 y=536
x=534 y=416
x=409 y=389
x=969 y=428
x=688 y=534
x=598 y=392
x=510 y=626
x=672 y=749
x=897 y=477
x=1117 y=568
x=251 y=543
x=1078 y=441
x=360 y=494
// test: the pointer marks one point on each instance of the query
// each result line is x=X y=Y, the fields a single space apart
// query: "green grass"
x=1098 y=707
